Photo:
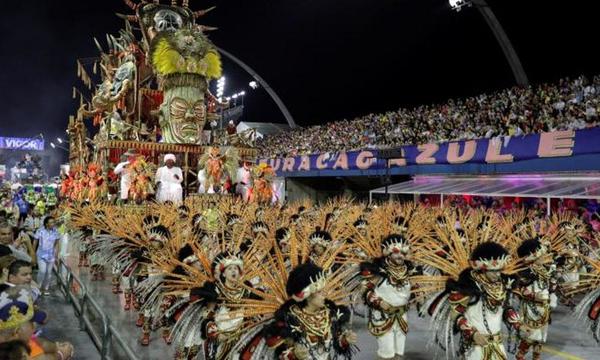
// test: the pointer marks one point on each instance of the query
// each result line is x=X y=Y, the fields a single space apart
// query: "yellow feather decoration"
x=167 y=60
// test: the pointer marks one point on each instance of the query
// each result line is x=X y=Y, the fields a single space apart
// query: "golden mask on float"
x=185 y=61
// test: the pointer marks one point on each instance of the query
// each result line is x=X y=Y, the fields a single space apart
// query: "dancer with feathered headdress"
x=385 y=243
x=475 y=288
x=217 y=283
x=534 y=288
x=588 y=310
x=298 y=315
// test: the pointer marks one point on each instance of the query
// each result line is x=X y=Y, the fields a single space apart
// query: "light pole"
x=499 y=33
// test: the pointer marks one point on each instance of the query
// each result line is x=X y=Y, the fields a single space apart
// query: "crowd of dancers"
x=234 y=280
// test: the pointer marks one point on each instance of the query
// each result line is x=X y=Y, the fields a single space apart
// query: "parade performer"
x=122 y=169
x=534 y=286
x=296 y=314
x=223 y=326
x=387 y=271
x=212 y=312
x=95 y=257
x=189 y=265
x=217 y=166
x=244 y=178
x=570 y=262
x=569 y=266
x=141 y=187
x=158 y=238
x=86 y=235
x=388 y=291
x=262 y=189
x=479 y=298
x=588 y=310
x=168 y=181
x=476 y=286
x=308 y=325
x=95 y=187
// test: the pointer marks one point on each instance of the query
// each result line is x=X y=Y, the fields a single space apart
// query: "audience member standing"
x=47 y=239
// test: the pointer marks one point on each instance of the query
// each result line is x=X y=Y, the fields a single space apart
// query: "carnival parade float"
x=242 y=277
x=150 y=96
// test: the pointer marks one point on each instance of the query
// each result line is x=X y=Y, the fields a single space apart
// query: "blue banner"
x=13 y=143
x=506 y=150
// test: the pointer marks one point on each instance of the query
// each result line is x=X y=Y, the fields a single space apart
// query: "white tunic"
x=170 y=187
x=536 y=312
x=475 y=318
x=395 y=296
x=244 y=177
x=125 y=179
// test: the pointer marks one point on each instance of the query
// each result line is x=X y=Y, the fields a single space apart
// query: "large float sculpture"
x=150 y=91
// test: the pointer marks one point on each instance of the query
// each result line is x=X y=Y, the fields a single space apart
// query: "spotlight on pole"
x=234 y=96
x=60 y=141
x=458 y=4
x=253 y=85
x=53 y=146
x=242 y=93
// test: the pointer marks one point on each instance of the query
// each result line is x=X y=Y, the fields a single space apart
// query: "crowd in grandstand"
x=568 y=104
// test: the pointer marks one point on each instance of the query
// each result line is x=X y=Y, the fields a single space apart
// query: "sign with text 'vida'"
x=13 y=143
x=481 y=151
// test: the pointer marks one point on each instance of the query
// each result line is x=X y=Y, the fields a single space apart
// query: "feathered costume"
x=476 y=263
x=288 y=329
x=387 y=283
x=588 y=310
x=216 y=167
x=534 y=287
x=245 y=281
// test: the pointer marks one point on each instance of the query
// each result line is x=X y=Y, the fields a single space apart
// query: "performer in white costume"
x=168 y=180
x=244 y=176
x=536 y=283
x=480 y=303
x=387 y=295
x=122 y=169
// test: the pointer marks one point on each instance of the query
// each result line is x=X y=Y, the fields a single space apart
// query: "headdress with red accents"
x=489 y=256
x=395 y=243
x=304 y=281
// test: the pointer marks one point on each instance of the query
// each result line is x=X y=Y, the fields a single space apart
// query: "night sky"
x=328 y=60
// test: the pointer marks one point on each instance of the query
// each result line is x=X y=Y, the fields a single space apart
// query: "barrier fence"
x=91 y=317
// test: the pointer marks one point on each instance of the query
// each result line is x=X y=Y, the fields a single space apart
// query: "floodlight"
x=253 y=84
x=458 y=4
